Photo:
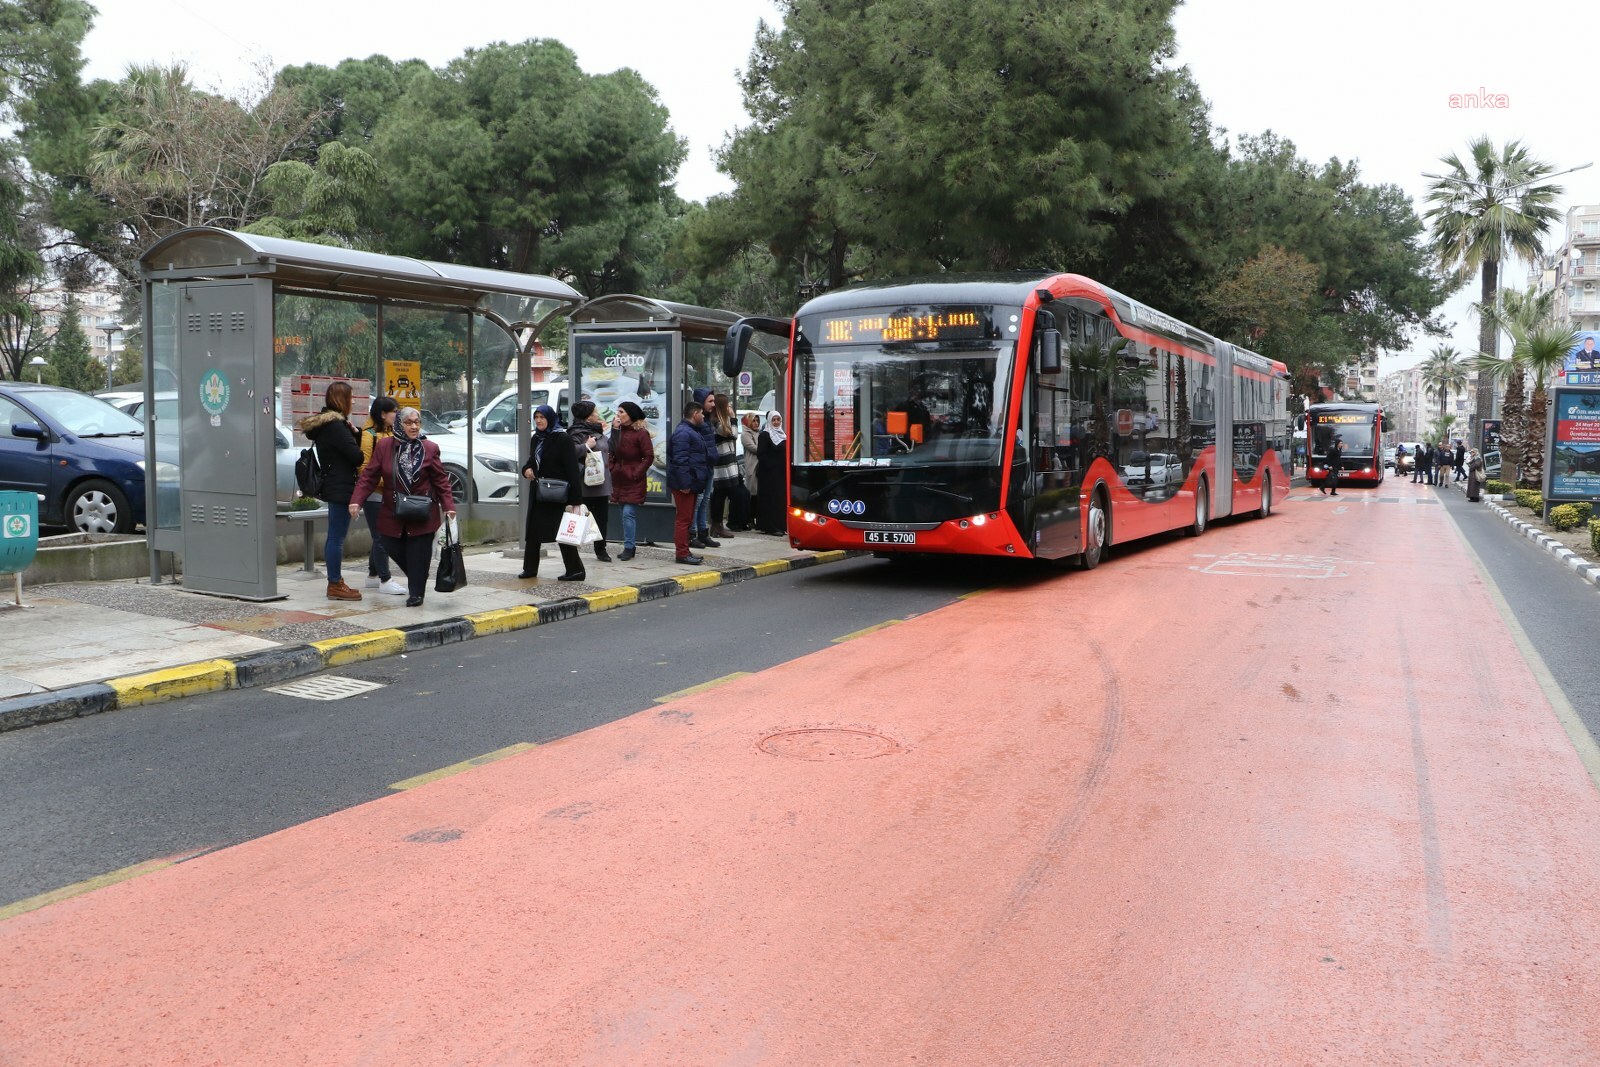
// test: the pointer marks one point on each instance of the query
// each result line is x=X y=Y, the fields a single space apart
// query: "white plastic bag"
x=574 y=527
x=594 y=468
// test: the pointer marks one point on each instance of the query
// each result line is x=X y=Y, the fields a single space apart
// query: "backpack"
x=308 y=473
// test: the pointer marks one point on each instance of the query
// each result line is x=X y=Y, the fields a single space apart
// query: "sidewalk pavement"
x=88 y=647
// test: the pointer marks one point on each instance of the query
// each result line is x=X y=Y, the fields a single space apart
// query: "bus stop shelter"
x=252 y=329
x=656 y=353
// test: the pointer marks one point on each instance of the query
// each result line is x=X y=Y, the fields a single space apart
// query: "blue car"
x=82 y=456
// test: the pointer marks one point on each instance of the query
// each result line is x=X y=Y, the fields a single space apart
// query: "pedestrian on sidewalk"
x=700 y=536
x=551 y=455
x=1332 y=461
x=632 y=454
x=407 y=462
x=1474 y=475
x=771 y=456
x=688 y=476
x=727 y=487
x=1460 y=460
x=380 y=424
x=1424 y=470
x=589 y=438
x=750 y=440
x=338 y=447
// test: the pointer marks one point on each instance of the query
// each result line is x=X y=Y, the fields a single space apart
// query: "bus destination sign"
x=883 y=327
x=1341 y=418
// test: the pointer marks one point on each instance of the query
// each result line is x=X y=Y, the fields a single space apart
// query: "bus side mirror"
x=1050 y=351
x=735 y=346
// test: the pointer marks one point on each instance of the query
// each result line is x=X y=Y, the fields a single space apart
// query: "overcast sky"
x=1368 y=80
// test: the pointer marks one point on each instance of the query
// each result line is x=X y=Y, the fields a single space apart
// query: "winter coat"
x=772 y=501
x=433 y=480
x=725 y=465
x=369 y=440
x=557 y=460
x=338 y=446
x=632 y=453
x=689 y=458
x=708 y=431
x=582 y=434
x=751 y=441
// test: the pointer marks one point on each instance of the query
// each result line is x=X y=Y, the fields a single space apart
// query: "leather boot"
x=721 y=531
x=600 y=552
x=340 y=591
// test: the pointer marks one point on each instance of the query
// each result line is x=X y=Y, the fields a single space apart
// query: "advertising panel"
x=616 y=368
x=1573 y=447
x=1582 y=365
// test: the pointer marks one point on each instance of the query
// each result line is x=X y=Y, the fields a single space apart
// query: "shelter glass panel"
x=163 y=335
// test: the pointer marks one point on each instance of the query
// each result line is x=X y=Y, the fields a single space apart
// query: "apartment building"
x=97 y=308
x=1576 y=273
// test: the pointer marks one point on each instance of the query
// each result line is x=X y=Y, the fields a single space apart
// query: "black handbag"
x=409 y=507
x=550 y=490
x=452 y=573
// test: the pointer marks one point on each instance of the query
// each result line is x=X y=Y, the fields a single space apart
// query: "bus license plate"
x=888 y=537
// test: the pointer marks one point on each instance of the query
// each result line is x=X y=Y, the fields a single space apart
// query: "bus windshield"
x=1357 y=436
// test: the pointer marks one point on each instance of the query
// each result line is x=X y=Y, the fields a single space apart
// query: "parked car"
x=82 y=456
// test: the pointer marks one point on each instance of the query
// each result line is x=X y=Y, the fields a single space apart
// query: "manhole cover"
x=829 y=743
x=326 y=688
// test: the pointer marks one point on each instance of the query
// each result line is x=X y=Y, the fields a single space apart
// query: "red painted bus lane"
x=1167 y=812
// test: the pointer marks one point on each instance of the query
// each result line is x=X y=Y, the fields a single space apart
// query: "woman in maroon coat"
x=631 y=457
x=409 y=462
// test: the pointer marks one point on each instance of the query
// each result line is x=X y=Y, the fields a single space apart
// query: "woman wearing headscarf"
x=589 y=438
x=380 y=424
x=770 y=463
x=551 y=455
x=407 y=462
x=632 y=453
x=338 y=446
x=750 y=441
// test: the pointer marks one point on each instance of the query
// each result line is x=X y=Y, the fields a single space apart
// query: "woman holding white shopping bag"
x=557 y=483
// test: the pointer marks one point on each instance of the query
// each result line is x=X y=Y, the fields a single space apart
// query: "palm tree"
x=1543 y=354
x=1494 y=203
x=1520 y=316
x=1444 y=375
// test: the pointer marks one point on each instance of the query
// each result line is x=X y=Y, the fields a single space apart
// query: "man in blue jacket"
x=700 y=535
x=689 y=461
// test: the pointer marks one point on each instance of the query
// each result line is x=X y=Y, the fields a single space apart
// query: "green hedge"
x=1594 y=535
x=1497 y=488
x=1567 y=516
x=1530 y=499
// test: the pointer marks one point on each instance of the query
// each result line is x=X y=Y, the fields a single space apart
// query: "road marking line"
x=89 y=885
x=211 y=676
x=702 y=687
x=464 y=765
x=1587 y=750
x=867 y=630
x=357 y=647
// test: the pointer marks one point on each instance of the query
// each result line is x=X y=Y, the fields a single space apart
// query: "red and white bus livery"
x=1022 y=415
x=1359 y=427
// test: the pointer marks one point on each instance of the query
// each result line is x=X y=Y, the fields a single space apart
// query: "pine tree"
x=71 y=364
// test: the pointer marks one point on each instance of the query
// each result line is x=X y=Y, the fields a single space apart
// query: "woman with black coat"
x=551 y=455
x=338 y=446
x=771 y=455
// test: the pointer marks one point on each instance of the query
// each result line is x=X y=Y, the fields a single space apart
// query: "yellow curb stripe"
x=464 y=765
x=867 y=630
x=211 y=676
x=607 y=599
x=771 y=566
x=503 y=620
x=701 y=580
x=358 y=647
x=831 y=557
x=975 y=593
x=89 y=885
x=702 y=687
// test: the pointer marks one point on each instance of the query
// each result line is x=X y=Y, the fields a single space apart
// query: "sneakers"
x=691 y=559
x=625 y=555
x=340 y=591
x=393 y=588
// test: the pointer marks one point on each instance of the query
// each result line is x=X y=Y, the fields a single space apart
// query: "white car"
x=1152 y=468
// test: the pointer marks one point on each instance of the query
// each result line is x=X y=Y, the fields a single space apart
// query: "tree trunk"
x=1532 y=472
x=1511 y=419
x=1488 y=336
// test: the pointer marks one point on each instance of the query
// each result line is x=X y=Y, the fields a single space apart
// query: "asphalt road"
x=86 y=797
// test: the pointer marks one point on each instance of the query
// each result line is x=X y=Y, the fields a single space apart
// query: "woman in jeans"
x=631 y=457
x=338 y=446
x=406 y=462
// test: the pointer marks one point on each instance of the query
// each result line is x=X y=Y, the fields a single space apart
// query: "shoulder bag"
x=550 y=490
x=408 y=507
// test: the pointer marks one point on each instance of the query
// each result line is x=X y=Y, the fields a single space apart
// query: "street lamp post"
x=112 y=327
x=38 y=364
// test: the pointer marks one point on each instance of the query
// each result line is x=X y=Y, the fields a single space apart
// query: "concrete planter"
x=84 y=557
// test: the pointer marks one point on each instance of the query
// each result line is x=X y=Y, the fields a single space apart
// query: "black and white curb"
x=1585 y=569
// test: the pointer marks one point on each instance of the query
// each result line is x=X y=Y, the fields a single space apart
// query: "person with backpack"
x=337 y=447
x=380 y=424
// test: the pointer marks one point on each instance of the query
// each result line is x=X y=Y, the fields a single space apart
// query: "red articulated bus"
x=1028 y=415
x=1359 y=428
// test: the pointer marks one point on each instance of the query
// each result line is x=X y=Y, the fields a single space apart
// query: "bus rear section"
x=1359 y=428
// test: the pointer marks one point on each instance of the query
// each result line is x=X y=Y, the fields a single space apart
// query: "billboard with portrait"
x=1582 y=366
x=1573 y=466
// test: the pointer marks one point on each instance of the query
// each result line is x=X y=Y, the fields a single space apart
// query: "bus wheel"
x=1266 y=498
x=1202 y=510
x=1097 y=531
